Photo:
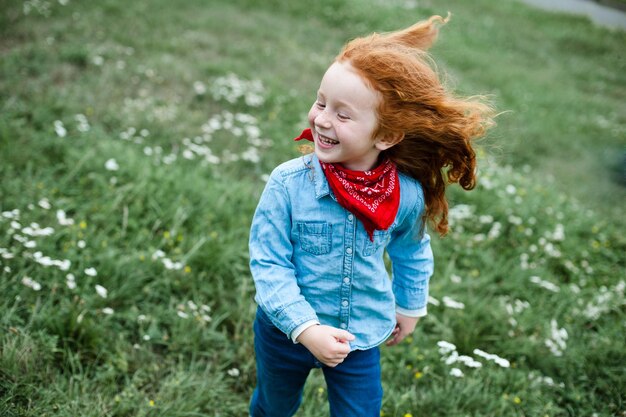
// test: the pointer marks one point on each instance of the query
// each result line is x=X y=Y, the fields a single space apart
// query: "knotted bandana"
x=372 y=196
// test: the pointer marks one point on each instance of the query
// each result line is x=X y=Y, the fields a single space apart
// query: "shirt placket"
x=348 y=267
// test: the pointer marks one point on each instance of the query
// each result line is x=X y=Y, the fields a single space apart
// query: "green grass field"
x=135 y=139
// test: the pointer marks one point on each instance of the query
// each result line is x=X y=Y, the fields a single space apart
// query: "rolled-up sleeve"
x=271 y=251
x=412 y=264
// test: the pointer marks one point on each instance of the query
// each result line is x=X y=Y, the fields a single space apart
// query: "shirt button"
x=349 y=251
x=346 y=280
x=350 y=217
x=344 y=303
x=343 y=325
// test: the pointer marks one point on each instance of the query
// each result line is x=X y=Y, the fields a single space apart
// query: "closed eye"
x=343 y=116
x=320 y=105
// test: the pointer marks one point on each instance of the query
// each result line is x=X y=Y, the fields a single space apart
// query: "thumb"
x=342 y=335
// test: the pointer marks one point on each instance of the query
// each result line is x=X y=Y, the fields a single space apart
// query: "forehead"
x=342 y=82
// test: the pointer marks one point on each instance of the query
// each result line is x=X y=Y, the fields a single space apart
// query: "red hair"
x=433 y=129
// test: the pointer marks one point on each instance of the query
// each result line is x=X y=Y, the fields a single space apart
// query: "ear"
x=389 y=140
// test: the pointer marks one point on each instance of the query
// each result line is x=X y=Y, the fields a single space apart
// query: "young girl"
x=387 y=138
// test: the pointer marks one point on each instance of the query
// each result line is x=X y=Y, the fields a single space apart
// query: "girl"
x=387 y=138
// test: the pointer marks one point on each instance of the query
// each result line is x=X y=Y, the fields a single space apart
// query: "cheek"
x=312 y=115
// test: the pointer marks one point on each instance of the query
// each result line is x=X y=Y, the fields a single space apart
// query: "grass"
x=112 y=114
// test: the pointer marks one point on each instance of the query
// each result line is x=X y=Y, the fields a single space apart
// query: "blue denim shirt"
x=312 y=260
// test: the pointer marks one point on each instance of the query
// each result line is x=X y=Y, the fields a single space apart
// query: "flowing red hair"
x=432 y=128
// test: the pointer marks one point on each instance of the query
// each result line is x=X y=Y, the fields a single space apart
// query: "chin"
x=323 y=158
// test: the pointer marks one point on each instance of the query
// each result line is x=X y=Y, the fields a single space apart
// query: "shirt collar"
x=319 y=179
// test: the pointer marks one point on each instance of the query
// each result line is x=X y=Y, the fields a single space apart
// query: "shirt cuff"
x=298 y=330
x=421 y=312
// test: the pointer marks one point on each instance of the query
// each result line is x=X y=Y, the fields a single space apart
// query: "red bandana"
x=372 y=196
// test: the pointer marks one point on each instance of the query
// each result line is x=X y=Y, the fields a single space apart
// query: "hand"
x=328 y=344
x=404 y=327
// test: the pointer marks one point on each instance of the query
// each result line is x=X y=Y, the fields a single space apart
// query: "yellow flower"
x=517 y=400
x=151 y=403
x=475 y=273
x=83 y=224
x=166 y=234
x=187 y=269
x=408 y=415
x=418 y=375
x=179 y=238
x=382 y=413
x=142 y=258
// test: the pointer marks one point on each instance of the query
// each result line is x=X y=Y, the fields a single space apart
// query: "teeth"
x=327 y=141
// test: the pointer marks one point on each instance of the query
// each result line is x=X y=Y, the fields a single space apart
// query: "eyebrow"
x=340 y=103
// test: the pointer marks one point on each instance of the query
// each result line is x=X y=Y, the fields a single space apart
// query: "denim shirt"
x=312 y=260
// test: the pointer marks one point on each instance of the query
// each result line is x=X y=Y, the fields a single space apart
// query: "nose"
x=322 y=120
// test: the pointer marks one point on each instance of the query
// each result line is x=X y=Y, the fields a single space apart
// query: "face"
x=344 y=118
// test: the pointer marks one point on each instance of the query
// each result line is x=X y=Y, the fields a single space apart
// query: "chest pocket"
x=315 y=237
x=381 y=238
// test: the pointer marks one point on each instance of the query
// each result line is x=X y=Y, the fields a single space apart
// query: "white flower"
x=81 y=244
x=234 y=372
x=498 y=360
x=98 y=60
x=31 y=283
x=83 y=124
x=199 y=88
x=433 y=301
x=13 y=214
x=111 y=165
x=102 y=292
x=545 y=284
x=485 y=219
x=63 y=219
x=450 y=303
x=44 y=204
x=469 y=361
x=59 y=129
x=445 y=347
x=182 y=314
x=91 y=272
x=510 y=189
x=63 y=265
x=158 y=254
x=515 y=220
x=460 y=212
x=169 y=264
x=456 y=372
x=108 y=311
x=70 y=281
x=455 y=278
x=557 y=341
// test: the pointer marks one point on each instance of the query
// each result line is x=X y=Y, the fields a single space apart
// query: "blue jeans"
x=354 y=386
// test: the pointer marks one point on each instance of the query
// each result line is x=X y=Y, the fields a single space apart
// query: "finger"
x=397 y=338
x=343 y=335
x=342 y=349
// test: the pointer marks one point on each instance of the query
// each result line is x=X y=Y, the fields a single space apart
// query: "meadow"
x=136 y=138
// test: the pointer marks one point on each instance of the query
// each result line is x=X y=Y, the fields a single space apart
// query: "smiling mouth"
x=326 y=141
